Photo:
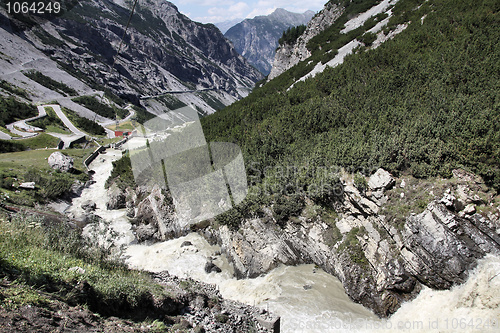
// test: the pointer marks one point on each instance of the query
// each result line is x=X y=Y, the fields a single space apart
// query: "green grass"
x=56 y=129
x=40 y=141
x=107 y=141
x=18 y=295
x=51 y=122
x=125 y=126
x=38 y=254
x=423 y=103
x=171 y=102
x=21 y=161
x=84 y=124
x=32 y=165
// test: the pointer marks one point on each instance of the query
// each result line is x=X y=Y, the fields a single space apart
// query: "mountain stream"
x=306 y=298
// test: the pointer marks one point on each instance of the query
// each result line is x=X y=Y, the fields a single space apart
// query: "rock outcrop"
x=203 y=307
x=155 y=218
x=116 y=198
x=288 y=56
x=379 y=263
x=381 y=259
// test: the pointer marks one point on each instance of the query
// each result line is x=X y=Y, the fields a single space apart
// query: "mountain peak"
x=279 y=11
x=257 y=39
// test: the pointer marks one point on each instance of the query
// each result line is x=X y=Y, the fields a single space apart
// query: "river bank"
x=305 y=297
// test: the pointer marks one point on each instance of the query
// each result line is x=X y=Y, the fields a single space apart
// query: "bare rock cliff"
x=381 y=257
x=288 y=56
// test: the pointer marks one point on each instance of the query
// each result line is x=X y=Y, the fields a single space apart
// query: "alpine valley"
x=372 y=156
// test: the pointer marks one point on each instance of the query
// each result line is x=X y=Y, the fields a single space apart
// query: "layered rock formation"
x=162 y=51
x=381 y=258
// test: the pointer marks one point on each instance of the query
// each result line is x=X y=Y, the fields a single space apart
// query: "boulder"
x=470 y=209
x=117 y=198
x=60 y=162
x=89 y=205
x=467 y=177
x=76 y=188
x=77 y=269
x=130 y=212
x=145 y=232
x=211 y=267
x=448 y=200
x=381 y=180
x=86 y=218
x=27 y=185
x=157 y=209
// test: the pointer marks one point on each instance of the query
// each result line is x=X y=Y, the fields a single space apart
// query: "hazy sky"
x=214 y=11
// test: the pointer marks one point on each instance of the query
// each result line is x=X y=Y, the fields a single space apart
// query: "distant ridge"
x=257 y=39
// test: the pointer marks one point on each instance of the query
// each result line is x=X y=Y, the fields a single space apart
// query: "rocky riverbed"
x=388 y=245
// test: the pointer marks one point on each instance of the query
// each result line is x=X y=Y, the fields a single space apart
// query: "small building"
x=121 y=133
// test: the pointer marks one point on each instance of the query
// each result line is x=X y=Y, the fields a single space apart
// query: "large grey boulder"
x=60 y=162
x=89 y=206
x=381 y=180
x=156 y=212
x=117 y=198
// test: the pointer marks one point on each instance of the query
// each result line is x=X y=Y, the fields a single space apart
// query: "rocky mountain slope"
x=385 y=242
x=289 y=55
x=226 y=25
x=337 y=20
x=162 y=51
x=257 y=39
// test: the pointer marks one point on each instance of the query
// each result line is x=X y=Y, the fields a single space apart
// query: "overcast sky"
x=214 y=11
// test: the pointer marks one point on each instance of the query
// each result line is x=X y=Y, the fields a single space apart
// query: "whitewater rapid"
x=306 y=298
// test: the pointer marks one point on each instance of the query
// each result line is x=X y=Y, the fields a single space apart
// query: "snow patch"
x=353 y=24
x=359 y=20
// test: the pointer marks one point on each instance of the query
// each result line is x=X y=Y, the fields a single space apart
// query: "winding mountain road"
x=22 y=124
x=64 y=119
x=67 y=139
x=4 y=136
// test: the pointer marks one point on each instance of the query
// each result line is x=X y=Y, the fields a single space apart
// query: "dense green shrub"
x=122 y=173
x=291 y=34
x=50 y=119
x=6 y=182
x=12 y=110
x=10 y=146
x=50 y=83
x=101 y=109
x=13 y=89
x=232 y=218
x=360 y=182
x=286 y=207
x=367 y=38
x=49 y=186
x=84 y=124
x=141 y=115
x=424 y=103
